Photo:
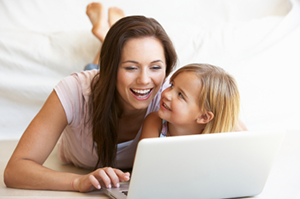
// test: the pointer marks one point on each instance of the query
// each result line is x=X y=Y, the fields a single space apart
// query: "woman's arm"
x=25 y=170
x=151 y=126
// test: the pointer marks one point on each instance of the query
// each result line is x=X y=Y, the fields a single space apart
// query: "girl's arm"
x=152 y=126
x=25 y=170
x=241 y=126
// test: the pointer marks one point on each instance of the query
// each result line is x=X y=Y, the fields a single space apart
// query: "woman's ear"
x=205 y=118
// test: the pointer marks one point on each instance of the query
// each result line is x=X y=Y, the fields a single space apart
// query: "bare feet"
x=114 y=14
x=96 y=14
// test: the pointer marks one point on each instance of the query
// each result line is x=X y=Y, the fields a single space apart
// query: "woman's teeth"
x=141 y=93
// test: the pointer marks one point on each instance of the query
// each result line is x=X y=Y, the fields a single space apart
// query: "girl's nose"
x=167 y=93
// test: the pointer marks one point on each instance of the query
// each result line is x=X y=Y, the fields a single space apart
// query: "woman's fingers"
x=94 y=182
x=110 y=176
x=105 y=178
x=113 y=176
x=122 y=176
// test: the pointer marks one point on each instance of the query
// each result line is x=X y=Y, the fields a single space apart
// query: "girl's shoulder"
x=152 y=126
x=153 y=117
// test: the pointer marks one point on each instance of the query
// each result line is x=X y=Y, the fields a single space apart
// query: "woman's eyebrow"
x=130 y=61
x=135 y=62
x=157 y=61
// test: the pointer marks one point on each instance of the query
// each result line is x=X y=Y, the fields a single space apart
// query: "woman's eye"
x=130 y=68
x=156 y=67
x=172 y=85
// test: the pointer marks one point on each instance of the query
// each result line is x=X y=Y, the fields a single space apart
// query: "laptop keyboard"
x=125 y=192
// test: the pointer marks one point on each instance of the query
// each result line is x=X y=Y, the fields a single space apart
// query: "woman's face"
x=141 y=72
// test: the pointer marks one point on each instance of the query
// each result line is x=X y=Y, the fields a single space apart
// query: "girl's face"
x=179 y=103
x=141 y=72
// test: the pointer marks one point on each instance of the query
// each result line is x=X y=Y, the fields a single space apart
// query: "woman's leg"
x=101 y=25
x=96 y=14
x=114 y=15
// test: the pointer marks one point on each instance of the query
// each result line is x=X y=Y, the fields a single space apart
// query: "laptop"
x=221 y=165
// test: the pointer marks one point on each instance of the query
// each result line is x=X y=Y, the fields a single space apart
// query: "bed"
x=258 y=42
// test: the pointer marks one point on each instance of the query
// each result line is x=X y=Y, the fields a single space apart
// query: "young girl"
x=201 y=99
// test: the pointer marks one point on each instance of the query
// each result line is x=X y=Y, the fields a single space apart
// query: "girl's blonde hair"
x=219 y=94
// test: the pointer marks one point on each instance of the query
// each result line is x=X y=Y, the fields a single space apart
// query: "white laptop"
x=222 y=165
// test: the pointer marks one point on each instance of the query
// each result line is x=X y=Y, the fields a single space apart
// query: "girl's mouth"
x=165 y=106
x=141 y=94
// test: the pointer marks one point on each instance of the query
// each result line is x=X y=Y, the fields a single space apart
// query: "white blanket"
x=258 y=41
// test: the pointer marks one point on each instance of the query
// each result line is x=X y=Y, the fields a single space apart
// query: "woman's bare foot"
x=114 y=14
x=96 y=14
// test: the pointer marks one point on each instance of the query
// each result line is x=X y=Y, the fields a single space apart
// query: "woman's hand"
x=109 y=176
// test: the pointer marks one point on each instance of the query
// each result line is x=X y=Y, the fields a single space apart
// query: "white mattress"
x=258 y=41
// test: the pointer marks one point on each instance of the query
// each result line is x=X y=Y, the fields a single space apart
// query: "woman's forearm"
x=27 y=174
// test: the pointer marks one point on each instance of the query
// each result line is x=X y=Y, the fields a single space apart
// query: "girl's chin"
x=160 y=113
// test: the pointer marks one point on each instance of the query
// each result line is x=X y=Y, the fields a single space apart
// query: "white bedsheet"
x=258 y=41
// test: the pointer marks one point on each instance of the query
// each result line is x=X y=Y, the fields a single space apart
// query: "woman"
x=97 y=114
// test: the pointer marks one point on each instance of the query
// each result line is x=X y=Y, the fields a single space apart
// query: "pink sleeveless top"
x=75 y=145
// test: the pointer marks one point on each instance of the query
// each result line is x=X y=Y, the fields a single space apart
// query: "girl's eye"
x=172 y=85
x=180 y=95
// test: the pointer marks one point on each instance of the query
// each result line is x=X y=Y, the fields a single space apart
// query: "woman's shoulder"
x=80 y=78
x=85 y=77
x=81 y=81
x=74 y=92
x=86 y=74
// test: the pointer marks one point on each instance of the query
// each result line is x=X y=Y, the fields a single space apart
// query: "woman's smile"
x=141 y=94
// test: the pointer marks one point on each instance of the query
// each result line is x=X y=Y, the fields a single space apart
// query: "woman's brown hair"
x=104 y=108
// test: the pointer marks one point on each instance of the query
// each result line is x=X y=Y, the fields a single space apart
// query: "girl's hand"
x=109 y=176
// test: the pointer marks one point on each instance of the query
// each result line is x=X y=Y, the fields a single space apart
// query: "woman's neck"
x=129 y=124
x=128 y=111
x=133 y=112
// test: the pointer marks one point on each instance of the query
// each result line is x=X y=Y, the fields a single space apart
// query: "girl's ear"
x=205 y=118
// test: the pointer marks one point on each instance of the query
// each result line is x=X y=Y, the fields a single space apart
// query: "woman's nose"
x=144 y=77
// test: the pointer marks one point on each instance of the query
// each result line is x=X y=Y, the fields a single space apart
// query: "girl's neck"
x=176 y=130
